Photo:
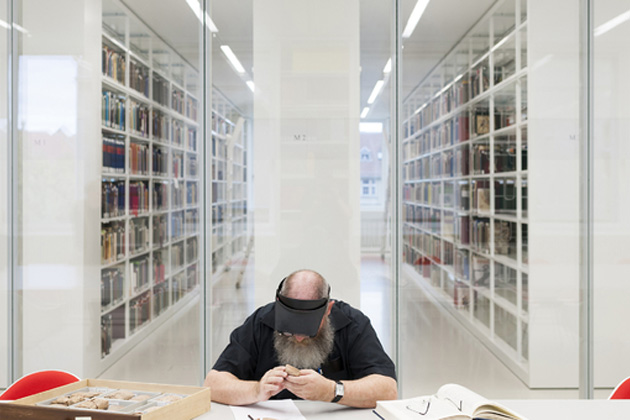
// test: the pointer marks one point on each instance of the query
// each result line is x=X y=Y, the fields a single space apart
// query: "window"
x=366 y=155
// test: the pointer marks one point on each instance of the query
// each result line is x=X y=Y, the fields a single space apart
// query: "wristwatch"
x=338 y=391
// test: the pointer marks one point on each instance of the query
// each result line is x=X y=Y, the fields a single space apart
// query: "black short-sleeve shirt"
x=357 y=351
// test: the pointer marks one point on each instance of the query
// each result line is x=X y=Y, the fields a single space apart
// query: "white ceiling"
x=442 y=25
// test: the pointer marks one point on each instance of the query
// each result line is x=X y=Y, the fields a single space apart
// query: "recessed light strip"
x=375 y=91
x=414 y=18
x=233 y=59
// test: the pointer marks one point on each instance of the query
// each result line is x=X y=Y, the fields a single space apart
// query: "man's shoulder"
x=344 y=314
x=262 y=315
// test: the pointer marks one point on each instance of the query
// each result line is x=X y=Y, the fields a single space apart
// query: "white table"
x=531 y=409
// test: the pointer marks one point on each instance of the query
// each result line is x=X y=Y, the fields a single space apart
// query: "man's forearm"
x=228 y=389
x=366 y=391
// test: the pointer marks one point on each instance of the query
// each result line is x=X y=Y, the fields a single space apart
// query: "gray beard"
x=311 y=353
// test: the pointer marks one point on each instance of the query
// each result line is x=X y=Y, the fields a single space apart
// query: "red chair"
x=36 y=382
x=622 y=392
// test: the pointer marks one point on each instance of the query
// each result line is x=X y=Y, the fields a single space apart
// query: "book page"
x=462 y=398
x=473 y=404
x=425 y=408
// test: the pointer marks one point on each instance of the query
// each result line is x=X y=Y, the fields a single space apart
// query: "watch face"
x=339 y=389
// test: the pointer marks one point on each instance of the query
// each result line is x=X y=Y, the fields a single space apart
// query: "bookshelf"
x=150 y=180
x=229 y=184
x=465 y=173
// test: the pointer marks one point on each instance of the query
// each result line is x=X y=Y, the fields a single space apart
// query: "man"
x=334 y=345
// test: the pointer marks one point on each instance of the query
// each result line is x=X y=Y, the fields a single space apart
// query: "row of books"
x=192 y=194
x=177 y=196
x=113 y=110
x=112 y=242
x=160 y=230
x=139 y=119
x=138 y=197
x=112 y=199
x=177 y=257
x=160 y=299
x=159 y=269
x=160 y=90
x=177 y=101
x=107 y=334
x=219 y=148
x=139 y=158
x=177 y=133
x=161 y=126
x=178 y=165
x=139 y=311
x=139 y=270
x=191 y=108
x=220 y=125
x=192 y=249
x=112 y=286
x=177 y=225
x=160 y=196
x=138 y=235
x=192 y=221
x=113 y=154
x=218 y=213
x=139 y=78
x=192 y=138
x=160 y=161
x=193 y=169
x=113 y=64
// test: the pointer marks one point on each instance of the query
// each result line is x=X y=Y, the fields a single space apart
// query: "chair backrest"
x=622 y=391
x=36 y=382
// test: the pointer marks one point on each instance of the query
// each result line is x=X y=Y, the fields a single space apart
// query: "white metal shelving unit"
x=465 y=182
x=150 y=182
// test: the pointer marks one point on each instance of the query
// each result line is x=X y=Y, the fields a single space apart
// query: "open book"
x=452 y=402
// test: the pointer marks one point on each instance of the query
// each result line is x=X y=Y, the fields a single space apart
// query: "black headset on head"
x=299 y=316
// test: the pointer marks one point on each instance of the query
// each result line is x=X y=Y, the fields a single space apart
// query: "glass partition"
x=5 y=27
x=110 y=233
x=174 y=164
x=489 y=284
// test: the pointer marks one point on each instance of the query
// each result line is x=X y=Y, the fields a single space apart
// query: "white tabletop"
x=531 y=409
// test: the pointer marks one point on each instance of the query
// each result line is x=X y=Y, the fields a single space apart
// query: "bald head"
x=306 y=285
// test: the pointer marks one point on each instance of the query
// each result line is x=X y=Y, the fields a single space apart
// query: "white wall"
x=306 y=147
x=553 y=158
x=612 y=196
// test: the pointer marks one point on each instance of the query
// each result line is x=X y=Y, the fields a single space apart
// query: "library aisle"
x=454 y=354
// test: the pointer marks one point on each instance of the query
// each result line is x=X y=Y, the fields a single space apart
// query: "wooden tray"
x=195 y=403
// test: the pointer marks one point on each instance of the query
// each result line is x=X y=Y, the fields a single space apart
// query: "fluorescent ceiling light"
x=210 y=24
x=371 y=127
x=365 y=112
x=230 y=56
x=196 y=8
x=250 y=84
x=388 y=66
x=375 y=92
x=414 y=18
x=612 y=23
x=19 y=28
x=4 y=24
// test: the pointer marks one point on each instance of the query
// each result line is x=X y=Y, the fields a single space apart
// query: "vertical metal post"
x=206 y=277
x=13 y=271
x=586 y=199
x=396 y=230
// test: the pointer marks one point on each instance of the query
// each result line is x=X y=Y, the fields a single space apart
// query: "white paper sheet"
x=275 y=409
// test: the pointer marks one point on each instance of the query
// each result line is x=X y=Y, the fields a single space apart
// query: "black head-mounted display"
x=297 y=316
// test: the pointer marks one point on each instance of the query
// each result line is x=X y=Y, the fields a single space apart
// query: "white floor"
x=435 y=349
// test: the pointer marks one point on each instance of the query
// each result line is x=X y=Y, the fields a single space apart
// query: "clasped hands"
x=309 y=385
